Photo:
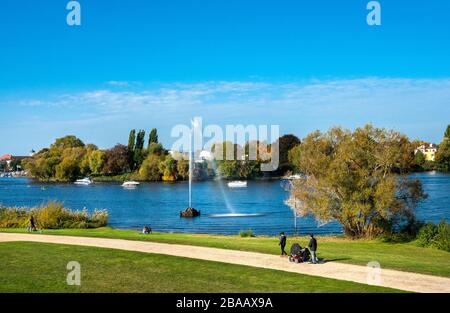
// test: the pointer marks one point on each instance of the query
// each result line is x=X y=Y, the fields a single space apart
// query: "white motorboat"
x=85 y=181
x=237 y=184
x=130 y=184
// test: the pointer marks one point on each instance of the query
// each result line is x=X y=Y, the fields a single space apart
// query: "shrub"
x=52 y=215
x=437 y=236
x=442 y=238
x=246 y=233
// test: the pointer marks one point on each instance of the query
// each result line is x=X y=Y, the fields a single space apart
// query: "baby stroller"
x=299 y=255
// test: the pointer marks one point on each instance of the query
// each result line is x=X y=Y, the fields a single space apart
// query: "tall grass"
x=52 y=215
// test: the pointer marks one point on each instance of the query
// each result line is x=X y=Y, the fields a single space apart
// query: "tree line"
x=145 y=158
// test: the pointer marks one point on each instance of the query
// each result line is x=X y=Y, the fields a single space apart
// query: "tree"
x=97 y=161
x=443 y=153
x=447 y=133
x=294 y=157
x=150 y=169
x=67 y=142
x=351 y=177
x=168 y=168
x=419 y=160
x=131 y=147
x=155 y=148
x=183 y=169
x=85 y=162
x=153 y=137
x=68 y=169
x=139 y=148
x=116 y=160
x=131 y=140
x=285 y=143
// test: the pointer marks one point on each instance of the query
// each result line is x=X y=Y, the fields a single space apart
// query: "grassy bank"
x=52 y=215
x=37 y=267
x=399 y=256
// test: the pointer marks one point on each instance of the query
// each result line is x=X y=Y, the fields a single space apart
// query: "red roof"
x=6 y=157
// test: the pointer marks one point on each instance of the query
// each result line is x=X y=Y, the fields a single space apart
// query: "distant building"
x=8 y=158
x=429 y=151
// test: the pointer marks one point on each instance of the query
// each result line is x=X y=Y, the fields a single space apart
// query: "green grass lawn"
x=39 y=267
x=400 y=256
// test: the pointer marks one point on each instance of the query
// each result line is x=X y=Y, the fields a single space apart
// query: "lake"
x=159 y=204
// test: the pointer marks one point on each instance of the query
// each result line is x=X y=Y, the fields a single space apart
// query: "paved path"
x=360 y=274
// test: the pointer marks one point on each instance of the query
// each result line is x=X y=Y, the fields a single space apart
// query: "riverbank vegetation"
x=68 y=159
x=404 y=256
x=358 y=178
x=52 y=215
x=39 y=267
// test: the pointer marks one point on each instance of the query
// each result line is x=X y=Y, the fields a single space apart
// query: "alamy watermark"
x=74 y=16
x=235 y=142
x=74 y=276
x=374 y=273
x=374 y=16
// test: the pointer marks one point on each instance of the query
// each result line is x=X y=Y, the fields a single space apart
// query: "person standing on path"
x=313 y=248
x=282 y=243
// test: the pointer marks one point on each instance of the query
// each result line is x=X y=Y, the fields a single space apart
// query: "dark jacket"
x=282 y=240
x=313 y=244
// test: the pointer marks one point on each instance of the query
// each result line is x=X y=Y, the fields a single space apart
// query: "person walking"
x=282 y=243
x=313 y=248
x=32 y=224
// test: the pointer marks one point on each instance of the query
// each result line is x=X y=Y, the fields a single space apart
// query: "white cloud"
x=405 y=104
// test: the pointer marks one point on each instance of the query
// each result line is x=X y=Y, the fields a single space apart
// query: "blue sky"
x=304 y=65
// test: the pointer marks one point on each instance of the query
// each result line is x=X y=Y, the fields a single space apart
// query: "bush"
x=246 y=233
x=437 y=236
x=53 y=215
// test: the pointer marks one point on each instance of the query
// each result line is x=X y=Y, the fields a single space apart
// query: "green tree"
x=153 y=137
x=183 y=169
x=351 y=177
x=97 y=161
x=131 y=148
x=285 y=143
x=155 y=148
x=67 y=142
x=447 y=133
x=443 y=154
x=150 y=169
x=131 y=140
x=139 y=149
x=168 y=167
x=68 y=169
x=419 y=160
x=294 y=157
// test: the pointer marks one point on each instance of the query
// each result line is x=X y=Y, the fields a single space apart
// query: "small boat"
x=130 y=184
x=85 y=181
x=237 y=184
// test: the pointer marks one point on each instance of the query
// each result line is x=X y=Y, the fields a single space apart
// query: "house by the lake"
x=429 y=151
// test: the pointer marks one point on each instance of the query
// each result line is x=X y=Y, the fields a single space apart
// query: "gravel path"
x=360 y=274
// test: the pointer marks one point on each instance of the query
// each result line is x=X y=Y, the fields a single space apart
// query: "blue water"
x=159 y=204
